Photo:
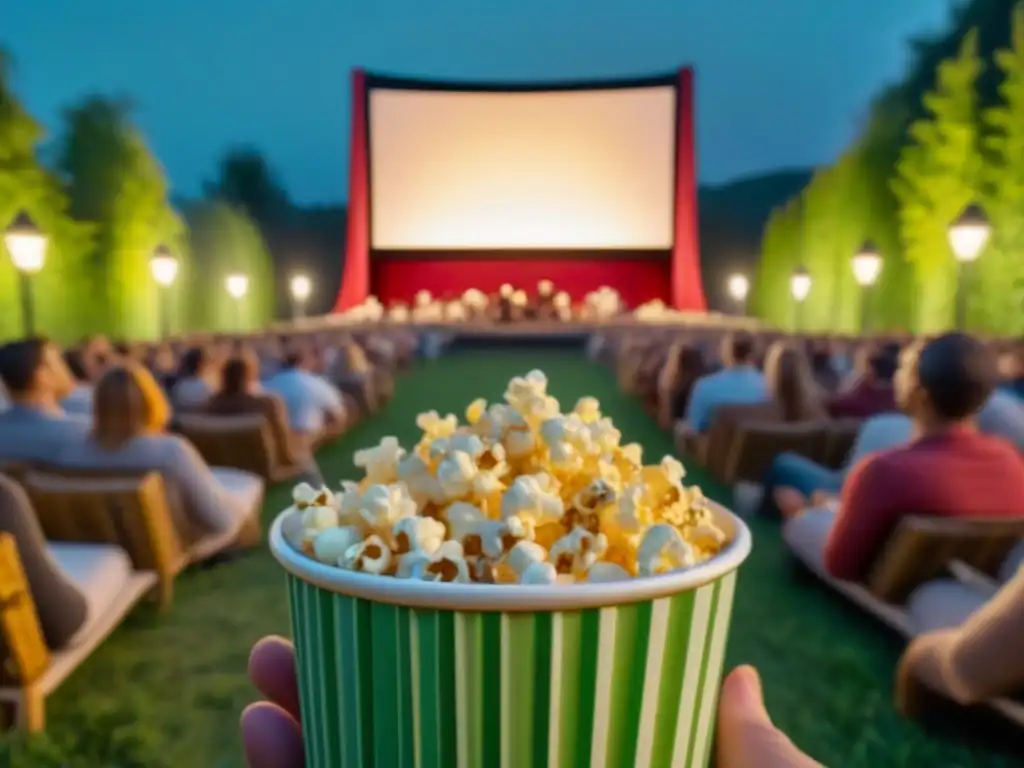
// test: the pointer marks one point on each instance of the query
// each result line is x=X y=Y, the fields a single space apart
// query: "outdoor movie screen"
x=463 y=170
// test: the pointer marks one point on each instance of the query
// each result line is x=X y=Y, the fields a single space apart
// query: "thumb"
x=746 y=736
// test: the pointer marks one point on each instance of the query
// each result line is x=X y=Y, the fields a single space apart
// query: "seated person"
x=198 y=378
x=161 y=363
x=35 y=427
x=738 y=383
x=544 y=303
x=797 y=478
x=949 y=469
x=823 y=367
x=313 y=403
x=971 y=663
x=79 y=399
x=129 y=433
x=794 y=396
x=241 y=394
x=684 y=367
x=856 y=365
x=1011 y=371
x=873 y=394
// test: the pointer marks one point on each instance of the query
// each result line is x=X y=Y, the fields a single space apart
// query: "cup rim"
x=509 y=597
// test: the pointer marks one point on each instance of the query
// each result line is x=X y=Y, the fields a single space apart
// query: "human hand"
x=746 y=736
x=271 y=733
x=272 y=736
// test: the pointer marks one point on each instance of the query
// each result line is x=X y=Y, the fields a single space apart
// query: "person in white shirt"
x=311 y=401
x=738 y=383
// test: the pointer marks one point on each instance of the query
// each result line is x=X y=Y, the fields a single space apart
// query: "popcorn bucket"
x=401 y=672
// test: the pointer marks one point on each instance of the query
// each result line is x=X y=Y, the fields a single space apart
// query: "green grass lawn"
x=166 y=690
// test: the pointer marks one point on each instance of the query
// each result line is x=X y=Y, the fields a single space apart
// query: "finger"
x=271 y=737
x=746 y=736
x=272 y=671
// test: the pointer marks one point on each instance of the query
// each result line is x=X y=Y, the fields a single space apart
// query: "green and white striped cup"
x=397 y=673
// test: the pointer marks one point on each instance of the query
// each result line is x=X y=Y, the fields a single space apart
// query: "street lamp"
x=967 y=237
x=301 y=287
x=799 y=287
x=26 y=245
x=164 y=268
x=867 y=266
x=237 y=286
x=738 y=287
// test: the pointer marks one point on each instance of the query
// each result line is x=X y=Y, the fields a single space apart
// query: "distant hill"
x=732 y=217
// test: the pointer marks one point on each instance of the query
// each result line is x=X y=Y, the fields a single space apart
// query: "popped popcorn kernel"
x=522 y=493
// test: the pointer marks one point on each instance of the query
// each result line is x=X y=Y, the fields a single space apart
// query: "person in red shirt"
x=949 y=470
x=874 y=393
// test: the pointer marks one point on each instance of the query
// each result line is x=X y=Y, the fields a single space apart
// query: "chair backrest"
x=244 y=442
x=755 y=444
x=24 y=656
x=922 y=547
x=839 y=440
x=129 y=511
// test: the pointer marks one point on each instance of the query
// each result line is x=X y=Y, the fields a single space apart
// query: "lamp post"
x=26 y=245
x=237 y=286
x=967 y=237
x=301 y=287
x=739 y=287
x=867 y=266
x=799 y=287
x=164 y=268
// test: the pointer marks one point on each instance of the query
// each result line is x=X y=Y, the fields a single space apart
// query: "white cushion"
x=244 y=488
x=942 y=604
x=100 y=571
x=806 y=536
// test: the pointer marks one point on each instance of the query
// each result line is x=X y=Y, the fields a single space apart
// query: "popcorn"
x=522 y=493
x=663 y=549
x=369 y=556
x=381 y=462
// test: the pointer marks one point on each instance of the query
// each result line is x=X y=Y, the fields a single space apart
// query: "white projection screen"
x=572 y=169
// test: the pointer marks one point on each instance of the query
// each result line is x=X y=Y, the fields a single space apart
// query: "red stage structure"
x=670 y=272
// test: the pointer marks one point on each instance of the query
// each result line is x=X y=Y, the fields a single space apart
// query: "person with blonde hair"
x=130 y=417
x=791 y=384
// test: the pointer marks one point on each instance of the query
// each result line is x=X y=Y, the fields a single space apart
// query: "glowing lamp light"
x=738 y=287
x=26 y=244
x=800 y=284
x=237 y=285
x=969 y=234
x=163 y=266
x=867 y=265
x=301 y=287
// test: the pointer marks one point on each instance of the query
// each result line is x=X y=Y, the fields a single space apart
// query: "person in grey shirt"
x=35 y=427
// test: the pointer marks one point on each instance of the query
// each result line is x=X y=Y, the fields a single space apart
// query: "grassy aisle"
x=166 y=690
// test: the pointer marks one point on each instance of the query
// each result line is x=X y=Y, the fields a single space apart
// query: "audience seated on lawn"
x=738 y=383
x=793 y=394
x=312 y=402
x=975 y=656
x=79 y=400
x=35 y=427
x=873 y=393
x=684 y=367
x=198 y=378
x=129 y=433
x=949 y=469
x=241 y=394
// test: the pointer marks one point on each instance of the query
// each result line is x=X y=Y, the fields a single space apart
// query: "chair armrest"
x=973 y=578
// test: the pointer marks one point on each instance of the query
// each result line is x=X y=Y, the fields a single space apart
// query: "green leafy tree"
x=225 y=241
x=26 y=186
x=115 y=183
x=782 y=252
x=997 y=303
x=936 y=177
x=246 y=180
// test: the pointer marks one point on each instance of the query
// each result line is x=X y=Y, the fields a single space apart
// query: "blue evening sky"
x=780 y=82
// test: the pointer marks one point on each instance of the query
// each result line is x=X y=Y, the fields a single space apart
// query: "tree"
x=781 y=253
x=246 y=181
x=997 y=304
x=26 y=186
x=115 y=183
x=226 y=241
x=937 y=176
